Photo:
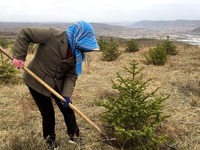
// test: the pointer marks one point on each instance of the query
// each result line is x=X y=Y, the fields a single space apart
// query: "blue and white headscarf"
x=81 y=39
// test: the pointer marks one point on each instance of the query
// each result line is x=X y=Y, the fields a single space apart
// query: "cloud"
x=97 y=10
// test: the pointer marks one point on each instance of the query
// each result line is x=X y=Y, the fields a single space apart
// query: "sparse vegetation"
x=102 y=43
x=169 y=46
x=7 y=71
x=157 y=55
x=132 y=46
x=110 y=50
x=8 y=74
x=3 y=42
x=28 y=142
x=179 y=77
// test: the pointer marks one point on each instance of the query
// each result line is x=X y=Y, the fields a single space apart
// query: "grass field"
x=20 y=120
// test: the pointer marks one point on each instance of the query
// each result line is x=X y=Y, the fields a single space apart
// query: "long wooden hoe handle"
x=55 y=93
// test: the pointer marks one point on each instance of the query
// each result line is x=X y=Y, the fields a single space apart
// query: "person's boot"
x=74 y=139
x=52 y=145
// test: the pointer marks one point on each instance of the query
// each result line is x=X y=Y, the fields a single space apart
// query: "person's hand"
x=18 y=63
x=66 y=104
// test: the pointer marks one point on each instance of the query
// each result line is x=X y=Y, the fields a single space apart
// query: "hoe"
x=106 y=139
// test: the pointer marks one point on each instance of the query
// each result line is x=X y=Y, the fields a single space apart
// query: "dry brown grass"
x=20 y=118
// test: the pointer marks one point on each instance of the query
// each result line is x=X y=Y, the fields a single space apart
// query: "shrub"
x=169 y=46
x=110 y=51
x=3 y=43
x=8 y=72
x=157 y=55
x=134 y=115
x=132 y=46
x=102 y=43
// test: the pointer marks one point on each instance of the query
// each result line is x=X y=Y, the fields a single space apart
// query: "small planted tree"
x=102 y=43
x=4 y=43
x=169 y=46
x=157 y=55
x=110 y=51
x=132 y=46
x=7 y=71
x=134 y=115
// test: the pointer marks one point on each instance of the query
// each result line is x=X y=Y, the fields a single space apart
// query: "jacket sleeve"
x=27 y=36
x=69 y=82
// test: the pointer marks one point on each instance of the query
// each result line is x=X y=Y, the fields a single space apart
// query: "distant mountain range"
x=196 y=30
x=167 y=24
x=149 y=24
x=140 y=29
x=16 y=26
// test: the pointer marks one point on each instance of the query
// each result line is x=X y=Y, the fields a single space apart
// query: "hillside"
x=179 y=30
x=167 y=24
x=10 y=29
x=196 y=31
x=21 y=121
x=14 y=27
x=150 y=24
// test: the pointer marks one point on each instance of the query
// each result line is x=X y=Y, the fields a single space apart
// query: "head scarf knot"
x=81 y=39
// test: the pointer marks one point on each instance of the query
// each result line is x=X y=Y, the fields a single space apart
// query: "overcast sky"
x=97 y=10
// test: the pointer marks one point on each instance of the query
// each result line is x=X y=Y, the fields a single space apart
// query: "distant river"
x=190 y=39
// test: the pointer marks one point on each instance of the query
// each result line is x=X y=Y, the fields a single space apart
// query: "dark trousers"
x=45 y=106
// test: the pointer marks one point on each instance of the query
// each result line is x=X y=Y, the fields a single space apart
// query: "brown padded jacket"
x=49 y=63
